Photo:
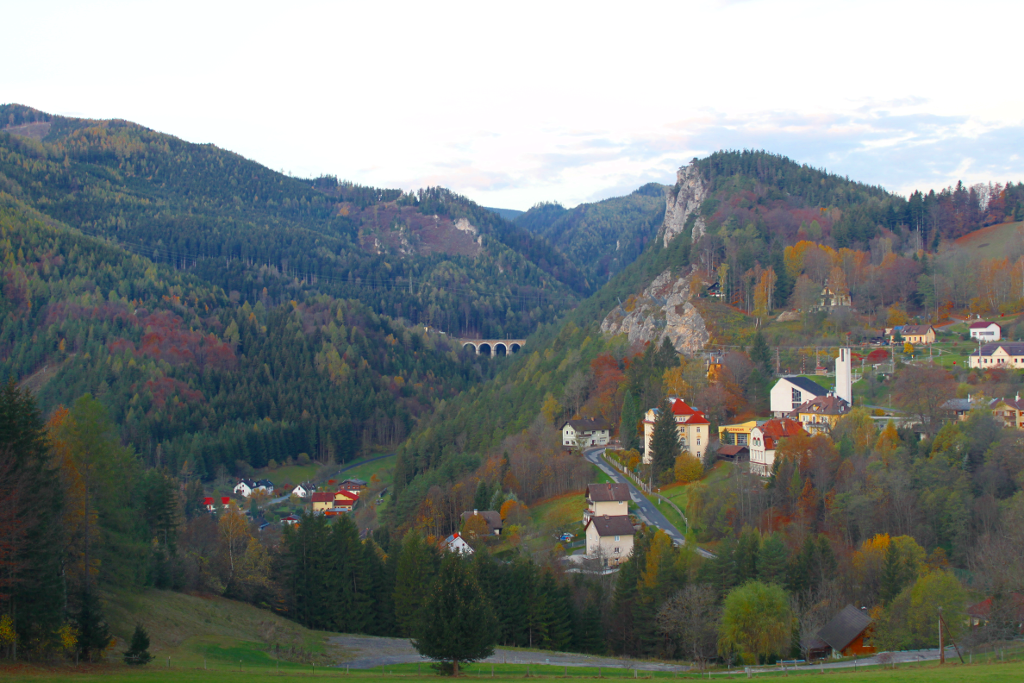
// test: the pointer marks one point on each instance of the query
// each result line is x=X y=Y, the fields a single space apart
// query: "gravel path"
x=370 y=652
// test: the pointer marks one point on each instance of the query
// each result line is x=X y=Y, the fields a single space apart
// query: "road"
x=646 y=510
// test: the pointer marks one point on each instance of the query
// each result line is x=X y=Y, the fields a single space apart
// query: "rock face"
x=662 y=310
x=681 y=201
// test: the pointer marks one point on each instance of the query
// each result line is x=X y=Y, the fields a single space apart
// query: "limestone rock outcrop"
x=681 y=201
x=662 y=310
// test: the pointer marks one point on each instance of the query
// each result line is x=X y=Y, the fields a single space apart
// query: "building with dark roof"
x=847 y=633
x=588 y=431
x=998 y=355
x=985 y=331
x=492 y=518
x=820 y=414
x=609 y=500
x=789 y=393
x=609 y=539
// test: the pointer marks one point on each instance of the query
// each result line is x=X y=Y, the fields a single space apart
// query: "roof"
x=823 y=405
x=358 y=482
x=806 y=385
x=981 y=325
x=732 y=451
x=983 y=609
x=492 y=518
x=603 y=493
x=680 y=407
x=915 y=329
x=290 y=518
x=1012 y=348
x=207 y=501
x=261 y=522
x=248 y=482
x=344 y=493
x=619 y=525
x=324 y=497
x=224 y=500
x=264 y=482
x=779 y=428
x=844 y=627
x=587 y=424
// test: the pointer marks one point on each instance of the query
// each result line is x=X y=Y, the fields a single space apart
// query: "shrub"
x=688 y=468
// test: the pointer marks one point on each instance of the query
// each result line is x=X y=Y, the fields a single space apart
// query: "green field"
x=383 y=468
x=158 y=671
x=995 y=241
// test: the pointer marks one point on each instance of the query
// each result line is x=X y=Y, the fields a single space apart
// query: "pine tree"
x=415 y=570
x=138 y=651
x=664 y=440
x=761 y=355
x=747 y=548
x=630 y=418
x=772 y=560
x=482 y=497
x=894 y=575
x=458 y=623
x=93 y=633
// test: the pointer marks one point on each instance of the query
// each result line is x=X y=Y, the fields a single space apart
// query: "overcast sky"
x=516 y=103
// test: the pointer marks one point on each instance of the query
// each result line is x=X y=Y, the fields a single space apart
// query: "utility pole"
x=942 y=648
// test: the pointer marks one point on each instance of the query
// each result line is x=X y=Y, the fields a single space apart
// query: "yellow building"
x=737 y=434
x=915 y=334
x=693 y=427
x=820 y=414
x=1009 y=411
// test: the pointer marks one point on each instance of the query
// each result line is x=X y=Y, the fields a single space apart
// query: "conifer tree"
x=414 y=571
x=138 y=650
x=458 y=623
x=761 y=355
x=664 y=440
x=631 y=415
x=772 y=560
x=93 y=633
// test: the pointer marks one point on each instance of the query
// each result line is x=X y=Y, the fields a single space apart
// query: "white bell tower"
x=844 y=379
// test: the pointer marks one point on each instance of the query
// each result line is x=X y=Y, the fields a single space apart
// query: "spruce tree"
x=772 y=560
x=93 y=633
x=632 y=413
x=664 y=440
x=414 y=571
x=761 y=355
x=458 y=623
x=138 y=651
x=894 y=575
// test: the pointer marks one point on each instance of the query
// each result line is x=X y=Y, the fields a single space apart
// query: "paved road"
x=370 y=652
x=645 y=508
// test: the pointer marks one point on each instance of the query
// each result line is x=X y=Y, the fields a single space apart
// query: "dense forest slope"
x=191 y=376
x=431 y=257
x=603 y=237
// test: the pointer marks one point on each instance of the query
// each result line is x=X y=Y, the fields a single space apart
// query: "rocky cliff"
x=682 y=200
x=662 y=310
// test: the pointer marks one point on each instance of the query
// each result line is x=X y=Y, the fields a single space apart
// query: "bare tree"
x=690 y=618
x=922 y=391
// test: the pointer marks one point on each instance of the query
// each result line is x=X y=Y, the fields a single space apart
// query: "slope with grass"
x=995 y=241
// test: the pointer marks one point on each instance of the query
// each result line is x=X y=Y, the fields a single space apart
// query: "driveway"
x=371 y=651
x=645 y=508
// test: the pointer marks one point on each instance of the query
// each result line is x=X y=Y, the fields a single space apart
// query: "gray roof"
x=1012 y=348
x=844 y=627
x=618 y=525
x=492 y=518
x=807 y=385
x=588 y=424
x=602 y=493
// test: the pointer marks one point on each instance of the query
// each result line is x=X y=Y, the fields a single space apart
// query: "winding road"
x=646 y=510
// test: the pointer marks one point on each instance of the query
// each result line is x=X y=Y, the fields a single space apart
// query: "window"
x=698 y=440
x=616 y=550
x=616 y=539
x=620 y=502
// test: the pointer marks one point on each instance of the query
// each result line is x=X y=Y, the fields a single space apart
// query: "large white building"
x=691 y=425
x=587 y=431
x=764 y=439
x=998 y=355
x=844 y=376
x=789 y=393
x=984 y=331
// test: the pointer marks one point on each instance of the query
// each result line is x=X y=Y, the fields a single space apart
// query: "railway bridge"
x=494 y=347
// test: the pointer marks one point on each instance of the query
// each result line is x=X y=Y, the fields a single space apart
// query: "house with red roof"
x=691 y=424
x=208 y=504
x=985 y=331
x=764 y=439
x=322 y=501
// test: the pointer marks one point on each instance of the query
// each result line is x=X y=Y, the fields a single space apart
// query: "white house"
x=789 y=393
x=998 y=355
x=304 y=490
x=610 y=539
x=986 y=331
x=606 y=500
x=587 y=431
x=244 y=487
x=763 y=441
x=456 y=544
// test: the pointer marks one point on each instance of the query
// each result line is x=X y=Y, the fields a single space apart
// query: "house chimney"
x=474 y=511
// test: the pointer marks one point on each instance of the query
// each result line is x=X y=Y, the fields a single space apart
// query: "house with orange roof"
x=764 y=439
x=691 y=424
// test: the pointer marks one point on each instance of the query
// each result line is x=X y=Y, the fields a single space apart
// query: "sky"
x=512 y=104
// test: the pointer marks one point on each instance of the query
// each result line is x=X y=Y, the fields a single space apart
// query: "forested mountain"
x=431 y=257
x=192 y=377
x=603 y=237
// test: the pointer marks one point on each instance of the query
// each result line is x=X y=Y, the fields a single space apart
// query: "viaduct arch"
x=494 y=347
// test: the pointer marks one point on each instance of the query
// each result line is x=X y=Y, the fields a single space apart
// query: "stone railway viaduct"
x=494 y=347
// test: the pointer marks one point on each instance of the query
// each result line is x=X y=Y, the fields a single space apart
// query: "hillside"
x=602 y=237
x=1003 y=240
x=192 y=376
x=431 y=257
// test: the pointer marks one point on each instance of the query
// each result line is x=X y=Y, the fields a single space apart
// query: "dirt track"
x=369 y=652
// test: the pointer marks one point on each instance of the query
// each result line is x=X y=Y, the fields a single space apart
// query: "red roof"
x=698 y=419
x=679 y=407
x=781 y=427
x=324 y=497
x=207 y=501
x=224 y=500
x=980 y=325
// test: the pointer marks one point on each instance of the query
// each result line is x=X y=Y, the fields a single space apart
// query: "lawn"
x=360 y=469
x=158 y=671
x=294 y=474
x=995 y=241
